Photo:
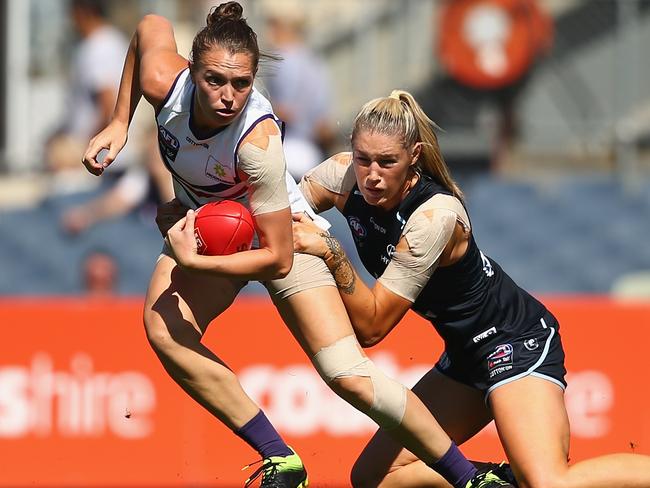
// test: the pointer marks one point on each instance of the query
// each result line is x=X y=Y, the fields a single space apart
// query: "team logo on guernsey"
x=217 y=171
x=168 y=143
x=531 y=344
x=357 y=228
x=500 y=360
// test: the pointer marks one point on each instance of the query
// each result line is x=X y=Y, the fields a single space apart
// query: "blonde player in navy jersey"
x=503 y=356
x=220 y=139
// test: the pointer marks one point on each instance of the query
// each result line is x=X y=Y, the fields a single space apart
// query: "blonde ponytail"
x=400 y=114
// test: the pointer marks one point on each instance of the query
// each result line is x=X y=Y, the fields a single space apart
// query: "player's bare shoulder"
x=160 y=62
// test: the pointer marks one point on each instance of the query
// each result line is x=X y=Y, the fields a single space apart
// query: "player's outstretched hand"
x=112 y=138
x=182 y=241
x=168 y=214
x=308 y=238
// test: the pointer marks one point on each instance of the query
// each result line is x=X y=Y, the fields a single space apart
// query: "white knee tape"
x=344 y=359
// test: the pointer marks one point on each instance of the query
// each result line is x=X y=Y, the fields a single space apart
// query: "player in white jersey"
x=219 y=139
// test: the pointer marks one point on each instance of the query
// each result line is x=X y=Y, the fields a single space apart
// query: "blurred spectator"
x=94 y=82
x=100 y=274
x=299 y=88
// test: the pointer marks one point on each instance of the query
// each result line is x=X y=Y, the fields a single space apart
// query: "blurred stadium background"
x=562 y=203
x=545 y=114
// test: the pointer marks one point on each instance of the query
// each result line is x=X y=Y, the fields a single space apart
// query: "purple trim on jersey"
x=188 y=192
x=175 y=175
x=238 y=194
x=248 y=131
x=219 y=187
x=169 y=93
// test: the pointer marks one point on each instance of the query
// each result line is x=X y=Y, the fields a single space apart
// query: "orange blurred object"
x=491 y=44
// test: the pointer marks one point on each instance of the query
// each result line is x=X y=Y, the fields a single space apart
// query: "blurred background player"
x=100 y=274
x=93 y=84
x=299 y=87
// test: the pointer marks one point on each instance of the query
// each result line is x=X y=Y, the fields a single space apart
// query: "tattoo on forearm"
x=339 y=265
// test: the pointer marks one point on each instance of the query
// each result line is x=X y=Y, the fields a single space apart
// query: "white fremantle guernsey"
x=205 y=170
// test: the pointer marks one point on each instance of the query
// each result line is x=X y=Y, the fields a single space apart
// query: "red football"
x=223 y=227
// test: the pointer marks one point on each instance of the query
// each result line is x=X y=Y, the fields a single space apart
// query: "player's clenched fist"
x=113 y=139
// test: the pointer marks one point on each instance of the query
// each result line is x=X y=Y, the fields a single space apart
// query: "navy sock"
x=454 y=467
x=260 y=434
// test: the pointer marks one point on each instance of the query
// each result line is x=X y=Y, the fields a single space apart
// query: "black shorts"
x=506 y=357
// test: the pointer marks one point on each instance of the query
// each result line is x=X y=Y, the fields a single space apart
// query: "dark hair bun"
x=225 y=11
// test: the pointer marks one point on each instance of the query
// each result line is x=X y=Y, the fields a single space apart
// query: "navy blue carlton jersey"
x=466 y=301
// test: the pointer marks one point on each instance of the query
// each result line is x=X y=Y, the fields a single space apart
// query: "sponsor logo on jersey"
x=217 y=171
x=377 y=226
x=499 y=370
x=531 y=344
x=500 y=358
x=168 y=143
x=196 y=143
x=483 y=335
x=390 y=250
x=357 y=228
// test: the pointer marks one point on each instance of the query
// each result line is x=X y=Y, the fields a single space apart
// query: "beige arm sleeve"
x=427 y=233
x=334 y=174
x=266 y=175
